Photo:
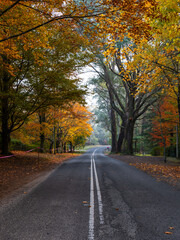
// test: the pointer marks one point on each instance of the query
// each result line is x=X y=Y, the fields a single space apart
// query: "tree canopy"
x=133 y=46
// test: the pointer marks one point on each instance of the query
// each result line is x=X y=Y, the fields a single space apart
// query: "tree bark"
x=128 y=138
x=113 y=131
x=64 y=148
x=120 y=138
x=51 y=147
x=5 y=110
x=177 y=130
x=5 y=129
x=112 y=115
x=42 y=119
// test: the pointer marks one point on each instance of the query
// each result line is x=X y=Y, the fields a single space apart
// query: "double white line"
x=100 y=205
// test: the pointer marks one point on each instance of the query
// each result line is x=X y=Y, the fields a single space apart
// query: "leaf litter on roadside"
x=24 y=167
x=167 y=173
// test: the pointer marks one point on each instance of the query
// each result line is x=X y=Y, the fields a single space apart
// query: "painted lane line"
x=98 y=195
x=92 y=204
x=91 y=209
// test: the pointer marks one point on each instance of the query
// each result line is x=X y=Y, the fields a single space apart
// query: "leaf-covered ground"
x=25 y=167
x=155 y=166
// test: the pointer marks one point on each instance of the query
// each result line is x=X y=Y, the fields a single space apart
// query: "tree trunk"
x=42 y=119
x=64 y=147
x=164 y=143
x=57 y=146
x=128 y=139
x=177 y=141
x=5 y=132
x=71 y=147
x=177 y=130
x=58 y=137
x=120 y=138
x=51 y=147
x=4 y=110
x=112 y=117
x=42 y=140
x=113 y=131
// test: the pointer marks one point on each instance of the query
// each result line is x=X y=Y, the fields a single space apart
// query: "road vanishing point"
x=94 y=197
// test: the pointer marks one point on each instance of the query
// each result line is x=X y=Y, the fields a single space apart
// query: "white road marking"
x=99 y=195
x=91 y=211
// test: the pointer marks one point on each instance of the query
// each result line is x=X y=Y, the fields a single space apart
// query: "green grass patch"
x=143 y=155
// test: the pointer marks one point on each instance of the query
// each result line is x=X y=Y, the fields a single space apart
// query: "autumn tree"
x=26 y=28
x=35 y=84
x=160 y=53
x=61 y=128
x=165 y=123
x=121 y=80
x=112 y=31
x=149 y=25
x=27 y=38
x=106 y=114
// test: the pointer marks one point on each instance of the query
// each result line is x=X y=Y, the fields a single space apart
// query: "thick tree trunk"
x=5 y=129
x=64 y=147
x=113 y=131
x=42 y=140
x=128 y=139
x=71 y=147
x=120 y=138
x=112 y=118
x=51 y=147
x=57 y=146
x=178 y=125
x=5 y=110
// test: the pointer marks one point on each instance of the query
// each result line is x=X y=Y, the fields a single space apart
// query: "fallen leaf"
x=171 y=228
x=168 y=232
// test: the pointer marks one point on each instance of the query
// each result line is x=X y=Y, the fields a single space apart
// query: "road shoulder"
x=22 y=172
x=166 y=172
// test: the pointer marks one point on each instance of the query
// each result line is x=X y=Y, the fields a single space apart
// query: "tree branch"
x=47 y=22
x=7 y=9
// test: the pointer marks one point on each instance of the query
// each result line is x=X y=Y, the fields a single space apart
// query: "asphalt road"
x=94 y=197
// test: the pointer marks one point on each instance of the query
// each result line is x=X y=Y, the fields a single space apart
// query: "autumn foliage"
x=62 y=129
x=165 y=122
x=39 y=63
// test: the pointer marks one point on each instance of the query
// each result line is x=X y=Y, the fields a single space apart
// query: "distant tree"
x=122 y=86
x=164 y=123
x=62 y=127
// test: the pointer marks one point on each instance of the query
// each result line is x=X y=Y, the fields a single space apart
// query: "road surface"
x=94 y=197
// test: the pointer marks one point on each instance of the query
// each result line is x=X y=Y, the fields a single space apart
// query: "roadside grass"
x=143 y=155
